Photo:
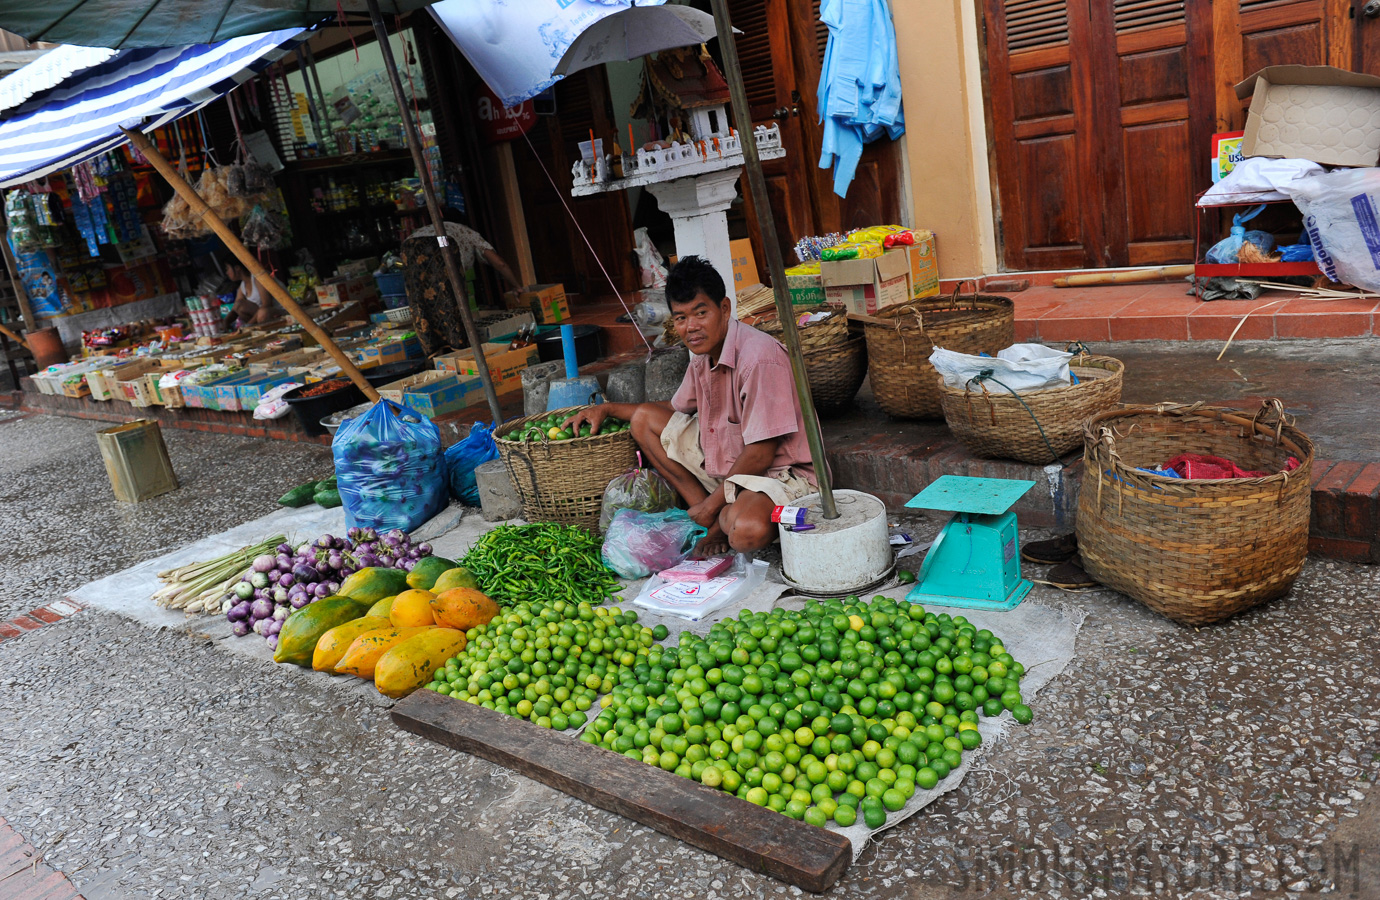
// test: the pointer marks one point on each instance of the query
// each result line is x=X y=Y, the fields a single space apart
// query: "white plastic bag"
x=1258 y=179
x=1020 y=367
x=1341 y=216
x=271 y=404
x=649 y=260
x=694 y=600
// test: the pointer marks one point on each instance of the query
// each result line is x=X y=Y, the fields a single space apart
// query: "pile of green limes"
x=841 y=709
x=546 y=662
x=552 y=428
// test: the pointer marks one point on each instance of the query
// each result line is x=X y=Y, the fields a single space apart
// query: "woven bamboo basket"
x=836 y=372
x=898 y=355
x=830 y=331
x=1038 y=426
x=1196 y=551
x=564 y=481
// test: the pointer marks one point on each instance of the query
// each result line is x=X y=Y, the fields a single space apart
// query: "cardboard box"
x=358 y=268
x=339 y=291
x=548 y=303
x=745 y=272
x=1322 y=113
x=388 y=352
x=252 y=391
x=805 y=284
x=505 y=366
x=924 y=265
x=207 y=396
x=502 y=324
x=867 y=285
x=397 y=389
x=78 y=388
x=445 y=395
x=129 y=385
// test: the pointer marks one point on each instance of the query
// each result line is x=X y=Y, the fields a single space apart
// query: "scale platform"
x=975 y=562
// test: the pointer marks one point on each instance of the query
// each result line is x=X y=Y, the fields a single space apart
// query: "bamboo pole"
x=761 y=203
x=1134 y=276
x=448 y=251
x=14 y=337
x=250 y=261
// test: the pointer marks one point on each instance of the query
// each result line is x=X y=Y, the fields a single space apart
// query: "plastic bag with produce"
x=639 y=544
x=390 y=469
x=464 y=457
x=641 y=489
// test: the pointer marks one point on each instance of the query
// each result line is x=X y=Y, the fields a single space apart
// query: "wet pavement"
x=1232 y=761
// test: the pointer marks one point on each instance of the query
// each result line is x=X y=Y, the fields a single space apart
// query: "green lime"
x=926 y=778
x=816 y=817
x=893 y=800
x=874 y=813
x=845 y=815
x=1022 y=713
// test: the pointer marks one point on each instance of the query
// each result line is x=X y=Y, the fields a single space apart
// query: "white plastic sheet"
x=1020 y=367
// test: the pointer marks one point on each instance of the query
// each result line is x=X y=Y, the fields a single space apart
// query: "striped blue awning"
x=81 y=116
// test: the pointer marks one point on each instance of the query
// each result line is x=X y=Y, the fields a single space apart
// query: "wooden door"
x=1097 y=109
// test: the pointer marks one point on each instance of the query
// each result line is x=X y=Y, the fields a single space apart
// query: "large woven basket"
x=835 y=373
x=1034 y=426
x=898 y=354
x=564 y=481
x=1196 y=551
x=830 y=331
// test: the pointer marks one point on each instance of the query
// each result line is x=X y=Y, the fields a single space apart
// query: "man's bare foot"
x=715 y=543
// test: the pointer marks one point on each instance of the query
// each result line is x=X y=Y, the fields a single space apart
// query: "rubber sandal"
x=1069 y=576
x=1052 y=551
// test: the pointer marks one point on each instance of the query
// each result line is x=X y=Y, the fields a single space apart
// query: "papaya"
x=463 y=608
x=364 y=652
x=382 y=608
x=303 y=629
x=458 y=577
x=427 y=570
x=373 y=584
x=411 y=609
x=335 y=642
x=410 y=664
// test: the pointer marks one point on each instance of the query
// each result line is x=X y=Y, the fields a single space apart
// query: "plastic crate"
x=394 y=301
x=392 y=283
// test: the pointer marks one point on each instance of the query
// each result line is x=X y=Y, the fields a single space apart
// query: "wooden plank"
x=751 y=836
x=517 y=219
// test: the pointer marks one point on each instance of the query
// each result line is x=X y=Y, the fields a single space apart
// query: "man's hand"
x=706 y=512
x=593 y=417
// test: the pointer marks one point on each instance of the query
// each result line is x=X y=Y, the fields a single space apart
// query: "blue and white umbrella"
x=81 y=116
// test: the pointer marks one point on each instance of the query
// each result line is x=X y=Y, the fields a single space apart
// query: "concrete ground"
x=1232 y=761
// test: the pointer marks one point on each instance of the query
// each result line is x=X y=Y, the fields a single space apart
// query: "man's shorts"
x=681 y=440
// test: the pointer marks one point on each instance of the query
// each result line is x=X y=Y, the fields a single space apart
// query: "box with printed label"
x=505 y=366
x=924 y=265
x=547 y=302
x=339 y=291
x=805 y=284
x=396 y=389
x=251 y=392
x=867 y=285
x=440 y=397
x=206 y=396
x=129 y=385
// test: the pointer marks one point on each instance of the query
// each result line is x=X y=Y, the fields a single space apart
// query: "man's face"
x=702 y=323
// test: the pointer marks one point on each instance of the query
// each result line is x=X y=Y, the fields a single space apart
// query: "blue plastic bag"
x=463 y=458
x=639 y=544
x=1228 y=249
x=389 y=468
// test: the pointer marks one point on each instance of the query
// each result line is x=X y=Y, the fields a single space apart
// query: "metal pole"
x=320 y=101
x=311 y=102
x=457 y=281
x=250 y=261
x=776 y=266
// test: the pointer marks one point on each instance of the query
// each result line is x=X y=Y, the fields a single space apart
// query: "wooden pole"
x=517 y=219
x=448 y=252
x=14 y=337
x=776 y=265
x=250 y=261
x=25 y=310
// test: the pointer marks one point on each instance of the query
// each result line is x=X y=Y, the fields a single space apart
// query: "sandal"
x=1069 y=576
x=1052 y=551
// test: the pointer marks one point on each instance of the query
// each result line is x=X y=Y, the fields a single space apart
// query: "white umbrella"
x=636 y=32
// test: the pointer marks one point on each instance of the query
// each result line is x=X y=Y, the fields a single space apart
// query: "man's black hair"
x=691 y=275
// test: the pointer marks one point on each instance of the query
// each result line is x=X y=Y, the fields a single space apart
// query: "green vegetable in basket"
x=328 y=499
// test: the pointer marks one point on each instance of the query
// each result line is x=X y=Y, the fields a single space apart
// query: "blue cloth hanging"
x=859 y=84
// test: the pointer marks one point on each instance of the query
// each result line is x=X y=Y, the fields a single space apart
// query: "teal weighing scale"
x=975 y=562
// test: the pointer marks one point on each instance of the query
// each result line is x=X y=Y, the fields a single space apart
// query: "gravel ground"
x=1233 y=761
x=53 y=485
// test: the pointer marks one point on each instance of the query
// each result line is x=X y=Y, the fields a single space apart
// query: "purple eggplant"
x=273 y=642
x=263 y=563
x=238 y=612
x=261 y=626
x=300 y=600
x=287 y=580
x=306 y=572
x=241 y=628
x=324 y=541
x=321 y=590
x=407 y=565
x=261 y=609
x=284 y=548
x=424 y=549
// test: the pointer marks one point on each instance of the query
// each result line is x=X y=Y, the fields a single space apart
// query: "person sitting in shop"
x=732 y=439
x=435 y=312
x=252 y=303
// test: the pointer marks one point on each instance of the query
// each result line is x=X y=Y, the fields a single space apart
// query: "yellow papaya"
x=374 y=583
x=364 y=652
x=463 y=608
x=411 y=663
x=412 y=609
x=427 y=570
x=458 y=577
x=303 y=629
x=382 y=608
x=335 y=642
